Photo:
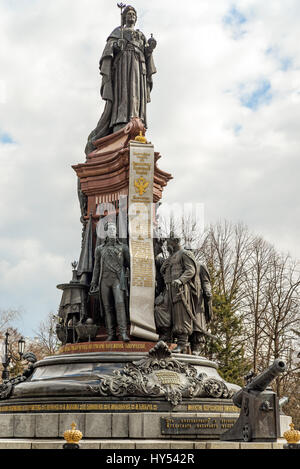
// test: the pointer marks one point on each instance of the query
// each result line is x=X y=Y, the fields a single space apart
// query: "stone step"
x=136 y=444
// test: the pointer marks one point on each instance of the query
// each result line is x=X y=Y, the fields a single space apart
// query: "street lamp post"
x=7 y=356
x=21 y=347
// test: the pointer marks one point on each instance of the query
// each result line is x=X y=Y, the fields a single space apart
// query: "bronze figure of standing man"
x=111 y=259
x=180 y=272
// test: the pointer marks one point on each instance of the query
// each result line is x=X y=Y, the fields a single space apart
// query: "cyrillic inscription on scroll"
x=140 y=223
x=196 y=425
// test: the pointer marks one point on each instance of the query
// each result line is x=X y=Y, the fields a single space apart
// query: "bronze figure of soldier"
x=126 y=66
x=187 y=300
x=111 y=260
x=204 y=311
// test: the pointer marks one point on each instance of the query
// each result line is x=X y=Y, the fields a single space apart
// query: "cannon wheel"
x=247 y=433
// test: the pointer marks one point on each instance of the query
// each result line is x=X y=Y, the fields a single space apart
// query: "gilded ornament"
x=73 y=436
x=141 y=185
x=292 y=436
x=141 y=138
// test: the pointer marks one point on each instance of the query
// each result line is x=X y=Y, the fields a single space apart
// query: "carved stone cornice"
x=107 y=167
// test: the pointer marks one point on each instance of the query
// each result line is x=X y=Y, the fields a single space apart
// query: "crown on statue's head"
x=125 y=11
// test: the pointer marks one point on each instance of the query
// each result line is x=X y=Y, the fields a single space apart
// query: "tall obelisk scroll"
x=140 y=222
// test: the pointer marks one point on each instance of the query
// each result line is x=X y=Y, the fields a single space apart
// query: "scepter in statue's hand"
x=120 y=42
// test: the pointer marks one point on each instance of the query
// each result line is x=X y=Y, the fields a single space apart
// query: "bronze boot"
x=110 y=324
x=182 y=344
x=122 y=321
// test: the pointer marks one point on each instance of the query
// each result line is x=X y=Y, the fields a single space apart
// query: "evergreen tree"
x=228 y=351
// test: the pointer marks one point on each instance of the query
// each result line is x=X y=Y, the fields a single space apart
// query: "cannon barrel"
x=261 y=381
x=284 y=400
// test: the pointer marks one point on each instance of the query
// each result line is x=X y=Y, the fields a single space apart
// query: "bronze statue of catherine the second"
x=126 y=67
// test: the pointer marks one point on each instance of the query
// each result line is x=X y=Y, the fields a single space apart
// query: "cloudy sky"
x=225 y=116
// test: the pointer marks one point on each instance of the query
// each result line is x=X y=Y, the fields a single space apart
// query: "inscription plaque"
x=195 y=425
x=140 y=226
x=168 y=377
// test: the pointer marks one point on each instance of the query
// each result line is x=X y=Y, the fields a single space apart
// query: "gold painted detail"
x=141 y=185
x=292 y=436
x=141 y=168
x=168 y=377
x=144 y=200
x=195 y=425
x=73 y=436
x=187 y=423
x=141 y=138
x=94 y=347
x=212 y=408
x=142 y=265
x=78 y=407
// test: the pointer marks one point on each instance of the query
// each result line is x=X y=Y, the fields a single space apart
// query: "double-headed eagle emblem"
x=141 y=185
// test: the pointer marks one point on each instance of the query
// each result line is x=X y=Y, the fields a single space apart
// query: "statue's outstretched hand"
x=119 y=45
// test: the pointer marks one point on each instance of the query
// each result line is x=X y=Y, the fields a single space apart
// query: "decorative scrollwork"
x=6 y=388
x=215 y=387
x=160 y=375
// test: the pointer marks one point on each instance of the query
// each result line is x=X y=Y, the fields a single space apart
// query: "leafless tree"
x=282 y=316
x=261 y=284
x=7 y=317
x=45 y=340
x=256 y=300
x=226 y=250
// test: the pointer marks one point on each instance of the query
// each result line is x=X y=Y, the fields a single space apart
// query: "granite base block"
x=47 y=426
x=120 y=425
x=137 y=425
x=98 y=425
x=6 y=426
x=24 y=426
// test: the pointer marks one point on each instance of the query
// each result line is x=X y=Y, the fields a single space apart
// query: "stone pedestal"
x=119 y=393
x=115 y=393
